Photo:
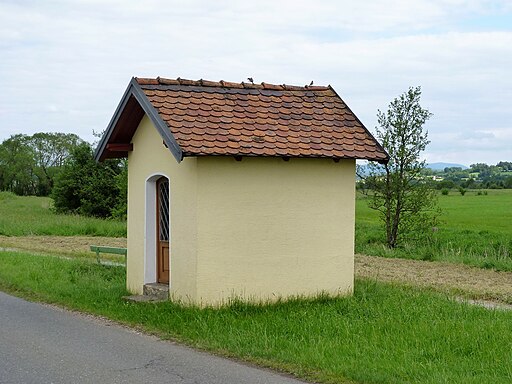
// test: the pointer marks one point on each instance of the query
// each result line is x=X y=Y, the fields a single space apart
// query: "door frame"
x=162 y=246
x=150 y=235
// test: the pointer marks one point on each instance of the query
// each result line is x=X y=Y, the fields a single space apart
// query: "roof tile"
x=245 y=119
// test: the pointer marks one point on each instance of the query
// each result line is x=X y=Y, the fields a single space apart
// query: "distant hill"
x=364 y=171
x=442 y=166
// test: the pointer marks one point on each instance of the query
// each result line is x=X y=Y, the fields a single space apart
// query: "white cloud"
x=78 y=57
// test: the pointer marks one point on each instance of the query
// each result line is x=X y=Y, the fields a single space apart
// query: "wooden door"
x=162 y=222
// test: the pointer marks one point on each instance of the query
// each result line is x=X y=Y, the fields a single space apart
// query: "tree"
x=505 y=165
x=405 y=200
x=121 y=209
x=86 y=187
x=448 y=184
x=50 y=150
x=29 y=164
x=17 y=167
x=479 y=167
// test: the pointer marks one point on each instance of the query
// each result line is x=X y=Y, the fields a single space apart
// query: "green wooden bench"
x=112 y=250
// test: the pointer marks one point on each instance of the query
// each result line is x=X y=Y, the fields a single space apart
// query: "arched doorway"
x=162 y=230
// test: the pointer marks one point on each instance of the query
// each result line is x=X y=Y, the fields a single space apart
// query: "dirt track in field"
x=61 y=245
x=458 y=279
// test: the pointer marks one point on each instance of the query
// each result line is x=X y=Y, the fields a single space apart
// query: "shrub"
x=87 y=187
x=445 y=184
x=462 y=191
x=445 y=191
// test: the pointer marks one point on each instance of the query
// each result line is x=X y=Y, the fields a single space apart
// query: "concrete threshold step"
x=152 y=292
x=158 y=290
x=142 y=299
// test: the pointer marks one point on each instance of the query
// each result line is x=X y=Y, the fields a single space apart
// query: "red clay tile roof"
x=245 y=119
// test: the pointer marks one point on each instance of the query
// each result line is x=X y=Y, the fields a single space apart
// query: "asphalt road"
x=43 y=344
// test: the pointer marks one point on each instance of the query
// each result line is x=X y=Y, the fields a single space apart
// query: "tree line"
x=30 y=164
x=477 y=176
x=61 y=165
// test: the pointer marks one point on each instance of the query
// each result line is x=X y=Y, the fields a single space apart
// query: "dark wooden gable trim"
x=101 y=154
x=160 y=125
x=116 y=147
x=133 y=104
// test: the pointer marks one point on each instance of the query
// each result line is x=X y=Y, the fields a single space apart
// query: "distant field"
x=474 y=229
x=492 y=212
x=30 y=215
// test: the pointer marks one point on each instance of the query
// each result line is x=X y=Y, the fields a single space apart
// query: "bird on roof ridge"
x=250 y=79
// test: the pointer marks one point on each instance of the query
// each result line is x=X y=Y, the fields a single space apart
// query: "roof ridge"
x=240 y=119
x=227 y=84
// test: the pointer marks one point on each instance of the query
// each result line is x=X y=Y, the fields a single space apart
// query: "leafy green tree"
x=445 y=184
x=50 y=150
x=121 y=208
x=29 y=164
x=405 y=200
x=85 y=186
x=479 y=167
x=469 y=183
x=17 y=166
x=505 y=165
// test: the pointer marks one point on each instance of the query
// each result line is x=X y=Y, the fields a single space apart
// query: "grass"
x=383 y=334
x=474 y=229
x=30 y=215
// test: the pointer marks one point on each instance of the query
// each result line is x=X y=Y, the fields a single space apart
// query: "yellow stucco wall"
x=260 y=228
x=269 y=228
x=149 y=159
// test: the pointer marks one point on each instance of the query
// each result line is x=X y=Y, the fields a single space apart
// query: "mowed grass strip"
x=31 y=215
x=474 y=229
x=383 y=334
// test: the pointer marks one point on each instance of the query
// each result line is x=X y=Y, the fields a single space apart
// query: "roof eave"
x=289 y=156
x=136 y=91
x=382 y=161
x=100 y=152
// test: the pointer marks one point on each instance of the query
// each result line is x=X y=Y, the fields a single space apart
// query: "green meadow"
x=474 y=229
x=385 y=333
x=30 y=215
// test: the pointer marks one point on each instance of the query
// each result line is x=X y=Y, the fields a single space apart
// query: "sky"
x=64 y=65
